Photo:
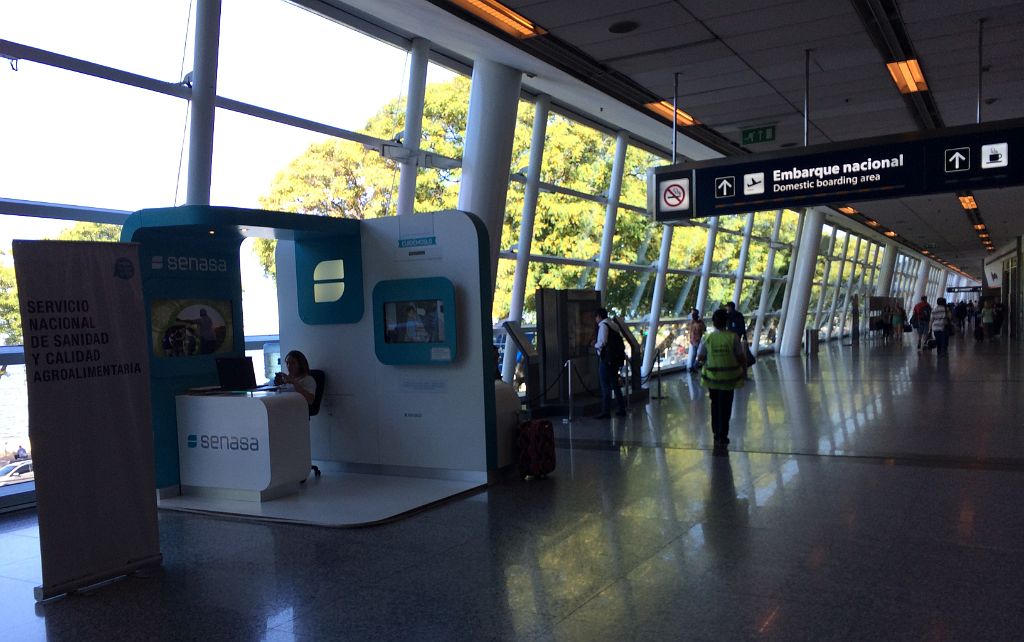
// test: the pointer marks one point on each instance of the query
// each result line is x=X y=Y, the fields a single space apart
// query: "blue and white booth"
x=395 y=311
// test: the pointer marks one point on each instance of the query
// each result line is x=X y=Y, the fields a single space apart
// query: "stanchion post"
x=568 y=371
x=657 y=358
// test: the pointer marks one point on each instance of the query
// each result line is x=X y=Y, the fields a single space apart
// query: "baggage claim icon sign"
x=675 y=195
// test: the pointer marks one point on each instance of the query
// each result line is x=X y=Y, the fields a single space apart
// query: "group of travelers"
x=935 y=325
x=892 y=322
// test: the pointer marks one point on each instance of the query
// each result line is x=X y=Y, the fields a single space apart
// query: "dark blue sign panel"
x=951 y=160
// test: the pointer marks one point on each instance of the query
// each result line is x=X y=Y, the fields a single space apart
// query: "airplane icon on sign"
x=753 y=183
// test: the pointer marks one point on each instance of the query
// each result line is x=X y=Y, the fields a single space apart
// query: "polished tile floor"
x=875 y=494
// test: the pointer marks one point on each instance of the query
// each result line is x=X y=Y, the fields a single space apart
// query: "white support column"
x=419 y=55
x=839 y=284
x=826 y=271
x=883 y=287
x=787 y=293
x=943 y=280
x=705 y=274
x=849 y=288
x=921 y=286
x=490 y=128
x=766 y=283
x=525 y=245
x=867 y=287
x=610 y=214
x=204 y=97
x=802 y=276
x=656 y=299
x=737 y=291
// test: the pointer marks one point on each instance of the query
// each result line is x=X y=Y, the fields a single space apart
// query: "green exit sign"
x=753 y=135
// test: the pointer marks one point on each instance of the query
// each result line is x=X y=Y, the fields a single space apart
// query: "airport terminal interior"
x=823 y=164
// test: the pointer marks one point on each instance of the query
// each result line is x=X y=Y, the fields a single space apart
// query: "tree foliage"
x=10 y=317
x=341 y=178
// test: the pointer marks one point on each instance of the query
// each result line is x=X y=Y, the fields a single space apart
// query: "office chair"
x=320 y=378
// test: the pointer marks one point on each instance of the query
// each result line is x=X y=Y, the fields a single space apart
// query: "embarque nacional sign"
x=950 y=160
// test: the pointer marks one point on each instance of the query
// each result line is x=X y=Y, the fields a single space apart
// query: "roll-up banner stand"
x=87 y=366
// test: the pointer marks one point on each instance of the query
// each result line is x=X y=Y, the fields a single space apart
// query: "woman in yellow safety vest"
x=724 y=369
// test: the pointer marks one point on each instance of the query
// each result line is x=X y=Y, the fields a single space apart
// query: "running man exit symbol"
x=725 y=186
x=958 y=159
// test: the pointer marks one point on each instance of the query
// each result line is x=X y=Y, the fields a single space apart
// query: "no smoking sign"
x=675 y=195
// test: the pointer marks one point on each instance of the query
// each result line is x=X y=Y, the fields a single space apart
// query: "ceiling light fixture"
x=968 y=202
x=849 y=211
x=908 y=76
x=979 y=226
x=664 y=108
x=502 y=17
x=890 y=234
x=872 y=222
x=983 y=235
x=623 y=26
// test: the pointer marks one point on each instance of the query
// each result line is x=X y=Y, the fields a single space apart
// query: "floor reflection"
x=867 y=495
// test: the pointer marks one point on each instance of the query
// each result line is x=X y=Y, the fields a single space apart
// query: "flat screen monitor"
x=415 y=321
x=236 y=373
x=191 y=327
x=420 y=321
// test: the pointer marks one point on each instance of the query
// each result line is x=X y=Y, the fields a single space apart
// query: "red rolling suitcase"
x=536 y=444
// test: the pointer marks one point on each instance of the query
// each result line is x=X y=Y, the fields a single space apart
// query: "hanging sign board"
x=87 y=368
x=990 y=155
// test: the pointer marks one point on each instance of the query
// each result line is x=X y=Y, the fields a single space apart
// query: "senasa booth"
x=395 y=312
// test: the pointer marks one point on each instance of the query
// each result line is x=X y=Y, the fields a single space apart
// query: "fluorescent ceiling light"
x=500 y=16
x=664 y=108
x=907 y=76
x=968 y=203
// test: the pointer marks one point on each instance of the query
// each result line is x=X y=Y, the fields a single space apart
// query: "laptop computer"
x=236 y=373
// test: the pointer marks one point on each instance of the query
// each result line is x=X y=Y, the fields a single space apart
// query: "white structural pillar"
x=530 y=193
x=802 y=277
x=838 y=287
x=656 y=298
x=943 y=281
x=921 y=286
x=490 y=128
x=610 y=214
x=705 y=274
x=419 y=55
x=826 y=271
x=849 y=288
x=883 y=287
x=204 y=97
x=793 y=256
x=766 y=283
x=737 y=291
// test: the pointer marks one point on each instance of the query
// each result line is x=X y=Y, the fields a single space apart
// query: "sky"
x=73 y=139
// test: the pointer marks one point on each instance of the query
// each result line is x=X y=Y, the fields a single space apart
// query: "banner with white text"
x=87 y=366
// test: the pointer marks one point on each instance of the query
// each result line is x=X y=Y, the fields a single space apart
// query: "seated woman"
x=297 y=377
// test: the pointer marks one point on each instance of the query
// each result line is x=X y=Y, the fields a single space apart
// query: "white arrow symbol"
x=957 y=158
x=723 y=186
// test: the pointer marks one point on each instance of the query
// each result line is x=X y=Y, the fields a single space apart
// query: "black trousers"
x=721 y=412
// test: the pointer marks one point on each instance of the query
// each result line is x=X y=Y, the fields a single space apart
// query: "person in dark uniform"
x=735 y=321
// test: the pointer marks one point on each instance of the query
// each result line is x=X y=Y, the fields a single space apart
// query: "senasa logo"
x=328 y=281
x=189 y=264
x=223 y=442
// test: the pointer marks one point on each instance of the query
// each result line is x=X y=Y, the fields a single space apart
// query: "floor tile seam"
x=922 y=461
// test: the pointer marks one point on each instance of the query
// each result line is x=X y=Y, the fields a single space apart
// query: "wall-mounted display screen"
x=414 y=321
x=191 y=327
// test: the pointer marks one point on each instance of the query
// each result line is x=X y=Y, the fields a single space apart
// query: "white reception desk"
x=252 y=446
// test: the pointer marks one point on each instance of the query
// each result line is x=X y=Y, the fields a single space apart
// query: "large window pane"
x=69 y=138
x=280 y=56
x=147 y=38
